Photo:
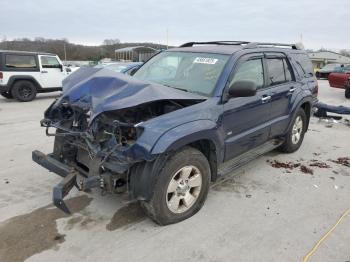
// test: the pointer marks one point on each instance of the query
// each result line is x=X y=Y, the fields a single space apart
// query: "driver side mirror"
x=242 y=88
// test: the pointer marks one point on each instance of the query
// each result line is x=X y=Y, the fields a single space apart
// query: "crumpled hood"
x=98 y=90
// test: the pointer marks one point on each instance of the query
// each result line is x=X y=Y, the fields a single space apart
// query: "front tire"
x=181 y=189
x=24 y=91
x=296 y=132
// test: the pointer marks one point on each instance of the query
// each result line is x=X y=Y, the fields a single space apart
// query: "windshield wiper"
x=179 y=88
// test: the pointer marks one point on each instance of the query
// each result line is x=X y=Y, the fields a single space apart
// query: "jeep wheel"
x=6 y=95
x=347 y=92
x=181 y=188
x=296 y=133
x=24 y=91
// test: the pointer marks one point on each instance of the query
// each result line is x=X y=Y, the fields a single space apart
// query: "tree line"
x=72 y=51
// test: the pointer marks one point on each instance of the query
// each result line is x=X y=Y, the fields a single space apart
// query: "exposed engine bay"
x=99 y=120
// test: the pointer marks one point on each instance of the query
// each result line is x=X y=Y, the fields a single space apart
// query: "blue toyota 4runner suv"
x=187 y=116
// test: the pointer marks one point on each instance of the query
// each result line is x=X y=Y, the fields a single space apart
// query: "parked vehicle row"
x=24 y=74
x=331 y=68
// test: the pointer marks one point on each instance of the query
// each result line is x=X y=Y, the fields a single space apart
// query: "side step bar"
x=231 y=165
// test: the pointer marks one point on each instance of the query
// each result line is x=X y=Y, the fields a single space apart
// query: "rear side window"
x=279 y=71
x=49 y=62
x=20 y=61
x=304 y=65
x=251 y=70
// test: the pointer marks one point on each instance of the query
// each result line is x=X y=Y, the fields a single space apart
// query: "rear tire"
x=181 y=189
x=24 y=91
x=347 y=92
x=6 y=95
x=296 y=132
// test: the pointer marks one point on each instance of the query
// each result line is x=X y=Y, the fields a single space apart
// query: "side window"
x=275 y=71
x=20 y=61
x=49 y=62
x=251 y=70
x=304 y=65
x=279 y=71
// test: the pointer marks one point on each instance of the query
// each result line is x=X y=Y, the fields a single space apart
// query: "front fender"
x=188 y=133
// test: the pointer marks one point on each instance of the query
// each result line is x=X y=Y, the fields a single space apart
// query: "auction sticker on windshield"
x=205 y=60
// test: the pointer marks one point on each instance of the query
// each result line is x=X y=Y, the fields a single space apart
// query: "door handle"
x=292 y=89
x=43 y=72
x=265 y=99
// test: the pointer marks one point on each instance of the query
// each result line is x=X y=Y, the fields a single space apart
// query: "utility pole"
x=167 y=38
x=65 y=53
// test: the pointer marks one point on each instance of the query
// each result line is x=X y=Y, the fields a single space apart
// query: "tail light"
x=1 y=75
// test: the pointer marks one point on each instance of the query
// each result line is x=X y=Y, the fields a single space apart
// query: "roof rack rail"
x=190 y=44
x=262 y=44
x=245 y=43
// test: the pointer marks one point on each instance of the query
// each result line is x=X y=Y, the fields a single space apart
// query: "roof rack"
x=245 y=44
x=189 y=44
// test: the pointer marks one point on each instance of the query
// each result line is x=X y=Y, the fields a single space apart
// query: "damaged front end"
x=97 y=124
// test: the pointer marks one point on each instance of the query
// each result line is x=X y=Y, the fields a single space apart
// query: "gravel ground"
x=273 y=209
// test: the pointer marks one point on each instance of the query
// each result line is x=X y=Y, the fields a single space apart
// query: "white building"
x=320 y=58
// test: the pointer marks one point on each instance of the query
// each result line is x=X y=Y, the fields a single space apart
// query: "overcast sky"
x=322 y=23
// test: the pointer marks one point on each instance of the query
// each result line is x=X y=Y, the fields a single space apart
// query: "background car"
x=326 y=70
x=125 y=68
x=340 y=80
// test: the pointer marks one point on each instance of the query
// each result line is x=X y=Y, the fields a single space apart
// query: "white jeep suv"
x=24 y=74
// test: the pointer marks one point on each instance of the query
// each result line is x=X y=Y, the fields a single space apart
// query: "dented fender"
x=202 y=129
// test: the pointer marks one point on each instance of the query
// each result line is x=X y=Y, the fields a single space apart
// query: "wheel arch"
x=306 y=105
x=14 y=79
x=201 y=134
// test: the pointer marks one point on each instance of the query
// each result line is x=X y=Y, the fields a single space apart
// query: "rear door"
x=51 y=71
x=283 y=89
x=245 y=118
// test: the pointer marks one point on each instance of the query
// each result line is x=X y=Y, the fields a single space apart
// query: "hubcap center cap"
x=182 y=188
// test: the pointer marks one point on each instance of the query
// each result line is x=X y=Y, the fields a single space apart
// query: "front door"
x=51 y=72
x=245 y=119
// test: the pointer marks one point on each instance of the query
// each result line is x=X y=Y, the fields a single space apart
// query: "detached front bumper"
x=70 y=178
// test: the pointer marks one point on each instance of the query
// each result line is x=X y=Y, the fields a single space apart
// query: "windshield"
x=192 y=72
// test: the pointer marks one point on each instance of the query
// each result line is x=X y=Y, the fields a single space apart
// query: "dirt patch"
x=126 y=216
x=345 y=161
x=306 y=170
x=286 y=165
x=25 y=235
x=319 y=164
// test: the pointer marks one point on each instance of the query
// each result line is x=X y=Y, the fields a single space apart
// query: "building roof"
x=135 y=48
x=329 y=56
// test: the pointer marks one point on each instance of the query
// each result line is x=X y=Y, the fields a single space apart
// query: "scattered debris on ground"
x=306 y=170
x=286 y=165
x=304 y=167
x=345 y=161
x=319 y=164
